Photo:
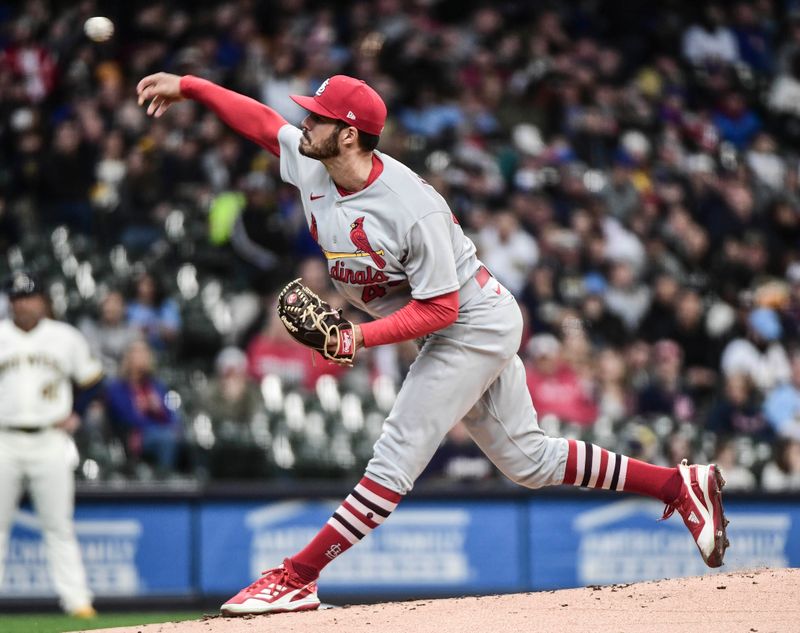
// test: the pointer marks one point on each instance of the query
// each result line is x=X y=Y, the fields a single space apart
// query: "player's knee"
x=390 y=474
x=57 y=529
x=542 y=465
x=398 y=482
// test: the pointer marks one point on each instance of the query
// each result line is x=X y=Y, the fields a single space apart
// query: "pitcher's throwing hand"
x=162 y=90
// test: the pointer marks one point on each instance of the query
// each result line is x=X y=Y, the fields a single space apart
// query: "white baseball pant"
x=44 y=462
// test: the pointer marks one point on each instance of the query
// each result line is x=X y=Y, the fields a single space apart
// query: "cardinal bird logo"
x=359 y=237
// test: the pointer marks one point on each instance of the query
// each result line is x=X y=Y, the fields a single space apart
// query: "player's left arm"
x=418 y=318
x=86 y=370
x=87 y=376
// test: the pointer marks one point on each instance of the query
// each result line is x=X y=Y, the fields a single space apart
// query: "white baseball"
x=99 y=28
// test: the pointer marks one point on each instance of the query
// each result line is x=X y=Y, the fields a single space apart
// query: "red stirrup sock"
x=365 y=508
x=590 y=466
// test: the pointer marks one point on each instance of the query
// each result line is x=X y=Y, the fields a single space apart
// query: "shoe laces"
x=669 y=508
x=269 y=575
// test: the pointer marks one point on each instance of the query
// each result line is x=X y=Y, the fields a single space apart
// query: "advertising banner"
x=426 y=546
x=128 y=550
x=195 y=547
x=578 y=543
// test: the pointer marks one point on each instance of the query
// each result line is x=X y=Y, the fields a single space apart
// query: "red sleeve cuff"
x=189 y=86
x=417 y=318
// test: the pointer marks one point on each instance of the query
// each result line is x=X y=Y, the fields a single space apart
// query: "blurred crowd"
x=629 y=171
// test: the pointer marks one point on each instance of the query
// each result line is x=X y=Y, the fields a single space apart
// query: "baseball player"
x=39 y=360
x=395 y=250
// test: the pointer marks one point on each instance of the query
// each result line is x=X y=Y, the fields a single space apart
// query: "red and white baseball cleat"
x=279 y=590
x=700 y=505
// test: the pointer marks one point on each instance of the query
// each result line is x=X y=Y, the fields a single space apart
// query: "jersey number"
x=50 y=390
x=372 y=292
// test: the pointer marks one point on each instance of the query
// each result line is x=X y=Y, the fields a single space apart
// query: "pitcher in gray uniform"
x=395 y=250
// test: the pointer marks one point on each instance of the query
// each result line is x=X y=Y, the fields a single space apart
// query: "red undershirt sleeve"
x=417 y=318
x=244 y=115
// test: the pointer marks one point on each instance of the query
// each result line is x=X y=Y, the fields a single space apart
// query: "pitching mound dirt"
x=763 y=601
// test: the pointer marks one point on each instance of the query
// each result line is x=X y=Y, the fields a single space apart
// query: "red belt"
x=482 y=276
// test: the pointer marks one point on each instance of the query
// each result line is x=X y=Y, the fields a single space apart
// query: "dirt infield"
x=763 y=601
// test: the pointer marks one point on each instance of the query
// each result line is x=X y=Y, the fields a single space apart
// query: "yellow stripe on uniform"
x=334 y=255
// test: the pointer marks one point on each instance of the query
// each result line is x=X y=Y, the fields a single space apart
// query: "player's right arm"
x=244 y=115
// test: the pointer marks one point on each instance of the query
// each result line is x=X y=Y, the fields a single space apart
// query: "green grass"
x=55 y=623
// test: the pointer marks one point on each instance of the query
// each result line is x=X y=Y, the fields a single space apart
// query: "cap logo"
x=350 y=115
x=22 y=284
x=322 y=87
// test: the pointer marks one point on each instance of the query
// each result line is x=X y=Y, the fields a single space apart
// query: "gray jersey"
x=392 y=241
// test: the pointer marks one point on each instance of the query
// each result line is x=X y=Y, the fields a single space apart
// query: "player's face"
x=320 y=138
x=28 y=311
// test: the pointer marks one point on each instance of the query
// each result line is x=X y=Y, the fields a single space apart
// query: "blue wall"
x=130 y=549
x=201 y=547
x=442 y=546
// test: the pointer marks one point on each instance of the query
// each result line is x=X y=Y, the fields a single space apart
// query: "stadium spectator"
x=627 y=296
x=235 y=408
x=665 y=393
x=507 y=251
x=555 y=387
x=141 y=193
x=760 y=354
x=754 y=31
x=785 y=92
x=736 y=123
x=679 y=446
x=782 y=404
x=31 y=64
x=659 y=321
x=614 y=397
x=737 y=477
x=602 y=327
x=709 y=40
x=540 y=296
x=739 y=411
x=153 y=312
x=782 y=473
x=139 y=412
x=109 y=335
x=66 y=179
x=620 y=194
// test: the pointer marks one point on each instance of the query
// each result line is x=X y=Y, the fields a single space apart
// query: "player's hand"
x=358 y=337
x=162 y=90
x=70 y=424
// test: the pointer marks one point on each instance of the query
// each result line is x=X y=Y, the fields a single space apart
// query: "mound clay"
x=763 y=601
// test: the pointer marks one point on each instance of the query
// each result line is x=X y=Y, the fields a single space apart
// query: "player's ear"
x=349 y=136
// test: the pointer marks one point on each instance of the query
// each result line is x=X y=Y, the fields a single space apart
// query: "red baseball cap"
x=348 y=99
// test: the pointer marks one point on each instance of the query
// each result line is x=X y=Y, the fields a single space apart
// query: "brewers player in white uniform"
x=395 y=251
x=39 y=361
